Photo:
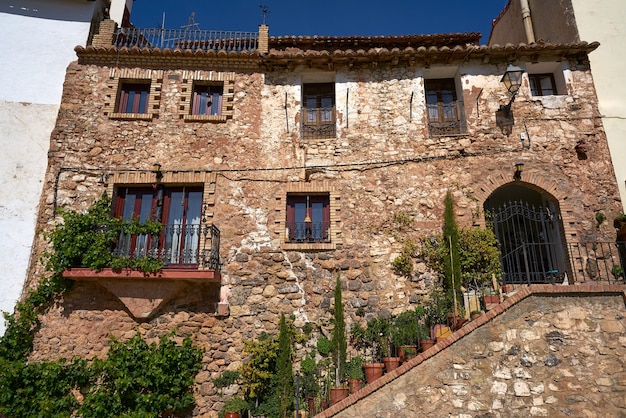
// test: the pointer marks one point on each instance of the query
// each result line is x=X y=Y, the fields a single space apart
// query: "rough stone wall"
x=382 y=163
x=547 y=356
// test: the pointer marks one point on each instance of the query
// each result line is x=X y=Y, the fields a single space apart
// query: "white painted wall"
x=603 y=21
x=117 y=9
x=38 y=43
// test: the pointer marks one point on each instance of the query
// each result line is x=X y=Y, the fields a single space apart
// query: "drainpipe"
x=528 y=23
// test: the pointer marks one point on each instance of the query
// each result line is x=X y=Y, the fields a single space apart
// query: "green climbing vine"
x=136 y=378
x=88 y=239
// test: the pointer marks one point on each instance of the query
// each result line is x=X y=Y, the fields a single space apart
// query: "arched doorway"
x=528 y=226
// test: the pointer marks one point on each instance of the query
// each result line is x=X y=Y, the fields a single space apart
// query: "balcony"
x=446 y=118
x=177 y=246
x=307 y=232
x=318 y=123
x=195 y=40
x=190 y=254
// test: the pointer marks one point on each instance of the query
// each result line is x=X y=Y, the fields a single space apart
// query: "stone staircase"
x=547 y=350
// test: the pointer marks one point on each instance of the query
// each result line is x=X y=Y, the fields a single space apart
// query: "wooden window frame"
x=444 y=116
x=318 y=110
x=308 y=218
x=200 y=104
x=180 y=240
x=534 y=80
x=134 y=97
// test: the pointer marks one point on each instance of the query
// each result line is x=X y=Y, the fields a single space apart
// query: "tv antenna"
x=192 y=23
x=264 y=10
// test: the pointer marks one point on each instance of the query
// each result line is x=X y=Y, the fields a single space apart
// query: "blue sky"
x=325 y=17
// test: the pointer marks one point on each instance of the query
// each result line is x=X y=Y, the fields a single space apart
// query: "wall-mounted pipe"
x=347 y=110
x=528 y=23
x=286 y=114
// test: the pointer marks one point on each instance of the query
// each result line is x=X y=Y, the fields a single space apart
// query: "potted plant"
x=437 y=311
x=380 y=332
x=475 y=315
x=338 y=348
x=364 y=340
x=407 y=330
x=354 y=373
x=490 y=296
x=310 y=381
x=234 y=407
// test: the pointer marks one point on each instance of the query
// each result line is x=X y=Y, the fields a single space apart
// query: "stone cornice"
x=394 y=54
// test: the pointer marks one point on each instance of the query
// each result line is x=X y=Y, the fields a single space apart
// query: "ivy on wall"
x=136 y=378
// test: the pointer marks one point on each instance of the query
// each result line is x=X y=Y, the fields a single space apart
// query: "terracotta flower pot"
x=231 y=415
x=311 y=403
x=354 y=385
x=337 y=394
x=373 y=371
x=490 y=299
x=391 y=363
x=407 y=352
x=426 y=344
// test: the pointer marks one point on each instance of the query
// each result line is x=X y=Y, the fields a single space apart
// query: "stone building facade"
x=353 y=133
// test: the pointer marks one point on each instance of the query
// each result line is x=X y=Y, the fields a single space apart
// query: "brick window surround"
x=125 y=80
x=193 y=82
x=321 y=192
x=201 y=183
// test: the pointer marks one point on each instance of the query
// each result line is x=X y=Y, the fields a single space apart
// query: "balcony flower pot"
x=391 y=363
x=407 y=352
x=234 y=406
x=354 y=373
x=310 y=400
x=355 y=385
x=455 y=321
x=338 y=394
x=373 y=371
x=491 y=299
x=426 y=344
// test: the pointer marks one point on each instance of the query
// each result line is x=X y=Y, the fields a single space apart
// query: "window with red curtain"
x=133 y=98
x=177 y=208
x=308 y=218
x=207 y=99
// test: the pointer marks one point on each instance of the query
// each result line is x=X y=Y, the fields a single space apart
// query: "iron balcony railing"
x=446 y=118
x=177 y=246
x=598 y=261
x=204 y=40
x=533 y=263
x=308 y=231
x=318 y=122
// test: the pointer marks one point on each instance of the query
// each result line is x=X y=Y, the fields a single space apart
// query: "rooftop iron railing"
x=204 y=40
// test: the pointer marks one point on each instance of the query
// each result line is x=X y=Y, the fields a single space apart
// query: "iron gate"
x=531 y=247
